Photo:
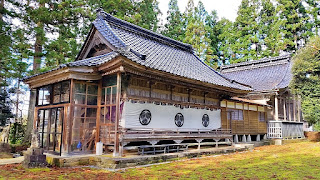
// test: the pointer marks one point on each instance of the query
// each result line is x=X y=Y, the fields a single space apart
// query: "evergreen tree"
x=196 y=34
x=306 y=79
x=247 y=46
x=294 y=17
x=269 y=29
x=174 y=28
x=226 y=38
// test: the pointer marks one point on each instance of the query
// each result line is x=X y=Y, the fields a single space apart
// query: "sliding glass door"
x=50 y=129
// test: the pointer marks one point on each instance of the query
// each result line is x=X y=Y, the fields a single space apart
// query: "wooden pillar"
x=284 y=109
x=116 y=131
x=70 y=116
x=299 y=109
x=294 y=109
x=98 y=112
x=289 y=109
x=276 y=108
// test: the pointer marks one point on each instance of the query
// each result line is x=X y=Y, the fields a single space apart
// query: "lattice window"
x=262 y=116
x=235 y=114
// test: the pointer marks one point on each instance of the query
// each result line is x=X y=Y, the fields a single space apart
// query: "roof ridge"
x=144 y=32
x=270 y=60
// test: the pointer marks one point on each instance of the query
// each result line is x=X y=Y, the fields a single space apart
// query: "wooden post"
x=299 y=109
x=98 y=112
x=276 y=114
x=70 y=115
x=116 y=140
x=284 y=110
x=294 y=109
x=289 y=109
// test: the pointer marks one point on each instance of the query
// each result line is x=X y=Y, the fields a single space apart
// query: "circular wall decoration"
x=179 y=120
x=145 y=117
x=205 y=120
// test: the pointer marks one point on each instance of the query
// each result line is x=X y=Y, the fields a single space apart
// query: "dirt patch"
x=312 y=136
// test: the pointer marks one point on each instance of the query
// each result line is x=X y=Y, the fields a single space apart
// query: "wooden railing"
x=285 y=130
x=172 y=134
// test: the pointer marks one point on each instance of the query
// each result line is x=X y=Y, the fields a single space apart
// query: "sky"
x=224 y=8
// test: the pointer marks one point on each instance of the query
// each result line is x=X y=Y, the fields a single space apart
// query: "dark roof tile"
x=263 y=75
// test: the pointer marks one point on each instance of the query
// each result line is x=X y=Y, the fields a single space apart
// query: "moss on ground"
x=291 y=161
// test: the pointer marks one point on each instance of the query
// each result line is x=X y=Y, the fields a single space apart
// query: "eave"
x=80 y=73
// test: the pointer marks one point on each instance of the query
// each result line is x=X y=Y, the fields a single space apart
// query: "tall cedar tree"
x=269 y=25
x=306 y=79
x=196 y=34
x=226 y=38
x=294 y=17
x=247 y=45
x=174 y=28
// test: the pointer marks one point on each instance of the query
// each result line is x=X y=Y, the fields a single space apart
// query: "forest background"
x=38 y=35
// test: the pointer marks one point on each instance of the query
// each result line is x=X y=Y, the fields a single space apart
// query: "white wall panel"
x=163 y=116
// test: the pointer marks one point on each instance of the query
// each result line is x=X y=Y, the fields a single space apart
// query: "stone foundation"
x=124 y=162
x=34 y=157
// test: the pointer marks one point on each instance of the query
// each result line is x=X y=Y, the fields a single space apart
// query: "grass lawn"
x=4 y=155
x=292 y=161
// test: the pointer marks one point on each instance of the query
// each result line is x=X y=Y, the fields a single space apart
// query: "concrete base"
x=105 y=161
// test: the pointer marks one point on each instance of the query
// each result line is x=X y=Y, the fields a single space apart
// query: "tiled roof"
x=93 y=61
x=263 y=75
x=155 y=51
x=161 y=53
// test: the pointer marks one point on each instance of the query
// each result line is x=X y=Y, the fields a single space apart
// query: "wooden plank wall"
x=249 y=125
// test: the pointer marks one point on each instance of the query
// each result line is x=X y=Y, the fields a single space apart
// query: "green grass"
x=5 y=155
x=291 y=161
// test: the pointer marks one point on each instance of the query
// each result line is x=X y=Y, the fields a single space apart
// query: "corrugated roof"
x=263 y=75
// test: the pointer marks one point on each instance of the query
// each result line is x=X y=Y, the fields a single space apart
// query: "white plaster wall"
x=163 y=117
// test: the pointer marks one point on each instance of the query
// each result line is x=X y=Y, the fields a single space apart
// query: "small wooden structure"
x=244 y=117
x=270 y=78
x=130 y=86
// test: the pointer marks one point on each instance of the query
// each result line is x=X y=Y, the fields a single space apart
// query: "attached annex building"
x=131 y=86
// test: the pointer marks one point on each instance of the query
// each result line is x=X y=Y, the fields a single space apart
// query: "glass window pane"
x=40 y=96
x=65 y=92
x=102 y=115
x=91 y=112
x=108 y=95
x=57 y=143
x=113 y=114
x=93 y=89
x=46 y=95
x=80 y=88
x=79 y=99
x=79 y=111
x=56 y=93
x=109 y=80
x=103 y=96
x=59 y=120
x=92 y=100
x=114 y=95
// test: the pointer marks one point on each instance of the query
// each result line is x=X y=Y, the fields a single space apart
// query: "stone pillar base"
x=34 y=157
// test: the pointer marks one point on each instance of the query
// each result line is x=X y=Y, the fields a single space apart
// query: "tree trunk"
x=36 y=65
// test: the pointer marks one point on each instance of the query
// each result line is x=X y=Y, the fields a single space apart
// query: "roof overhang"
x=124 y=64
x=79 y=73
